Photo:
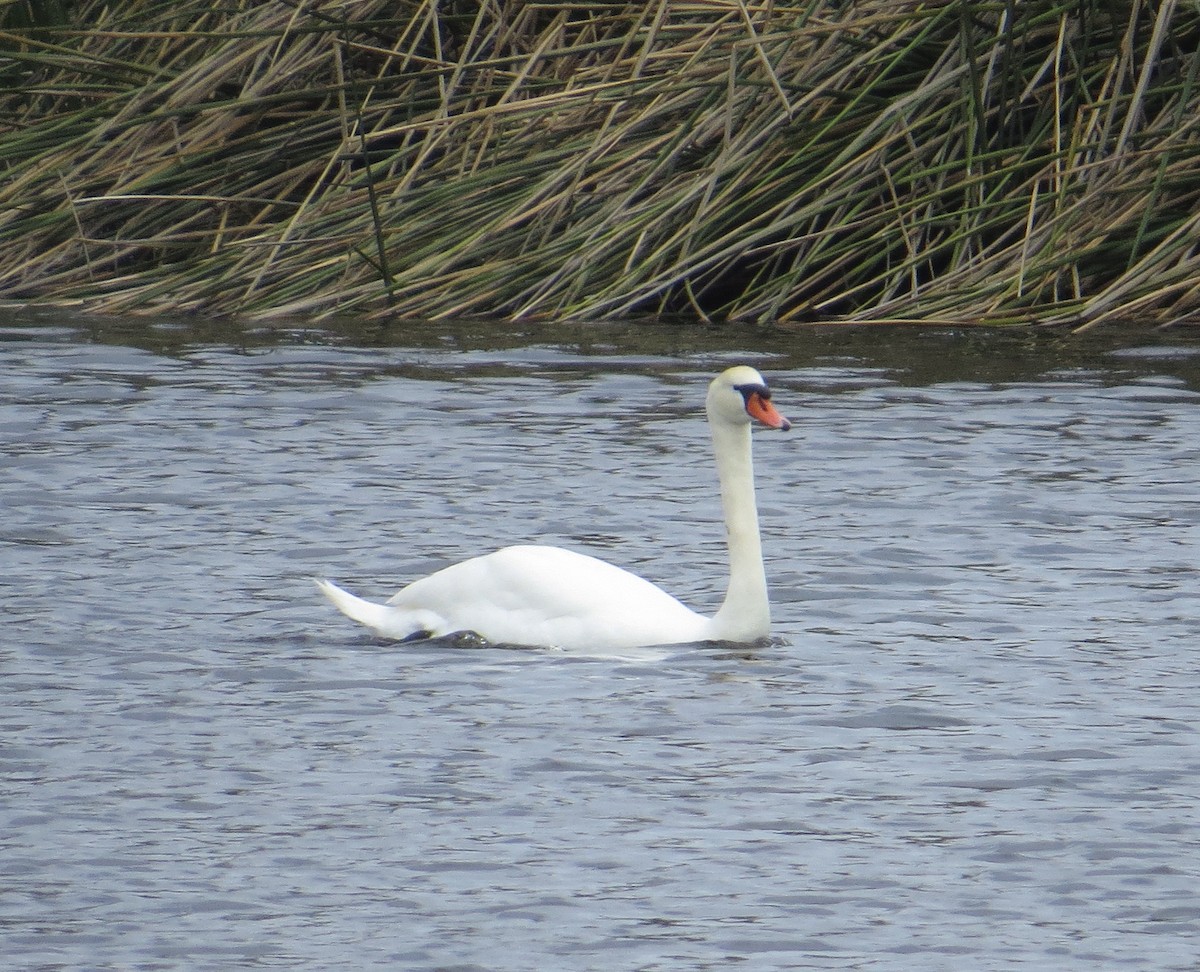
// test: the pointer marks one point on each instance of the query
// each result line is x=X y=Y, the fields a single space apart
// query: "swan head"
x=739 y=396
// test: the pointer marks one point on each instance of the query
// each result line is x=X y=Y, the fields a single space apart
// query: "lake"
x=970 y=744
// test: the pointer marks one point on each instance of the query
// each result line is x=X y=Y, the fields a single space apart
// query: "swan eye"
x=749 y=391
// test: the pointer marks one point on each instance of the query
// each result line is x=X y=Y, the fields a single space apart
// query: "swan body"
x=548 y=596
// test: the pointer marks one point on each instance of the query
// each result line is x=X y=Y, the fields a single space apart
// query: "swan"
x=543 y=596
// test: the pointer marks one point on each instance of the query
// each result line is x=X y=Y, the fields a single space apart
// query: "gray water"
x=971 y=745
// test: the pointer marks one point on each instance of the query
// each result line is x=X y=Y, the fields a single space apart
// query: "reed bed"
x=944 y=162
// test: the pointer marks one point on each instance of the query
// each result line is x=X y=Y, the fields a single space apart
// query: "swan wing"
x=535 y=595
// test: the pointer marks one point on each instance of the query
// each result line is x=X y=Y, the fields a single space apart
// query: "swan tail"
x=384 y=619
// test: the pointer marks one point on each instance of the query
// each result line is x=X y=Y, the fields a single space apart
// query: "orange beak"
x=761 y=409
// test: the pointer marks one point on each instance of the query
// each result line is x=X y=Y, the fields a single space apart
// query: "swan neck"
x=745 y=614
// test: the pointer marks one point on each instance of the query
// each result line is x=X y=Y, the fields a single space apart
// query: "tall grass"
x=1000 y=162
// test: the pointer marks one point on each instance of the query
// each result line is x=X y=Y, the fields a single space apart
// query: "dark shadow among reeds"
x=998 y=162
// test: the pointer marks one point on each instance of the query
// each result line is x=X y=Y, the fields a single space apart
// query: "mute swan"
x=548 y=596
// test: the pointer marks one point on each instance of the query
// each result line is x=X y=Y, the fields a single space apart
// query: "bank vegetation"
x=997 y=162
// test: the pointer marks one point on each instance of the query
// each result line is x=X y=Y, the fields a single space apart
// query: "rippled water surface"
x=972 y=744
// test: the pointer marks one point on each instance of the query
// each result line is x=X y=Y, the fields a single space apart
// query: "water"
x=971 y=745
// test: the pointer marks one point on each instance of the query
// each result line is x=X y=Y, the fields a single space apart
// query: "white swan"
x=548 y=596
